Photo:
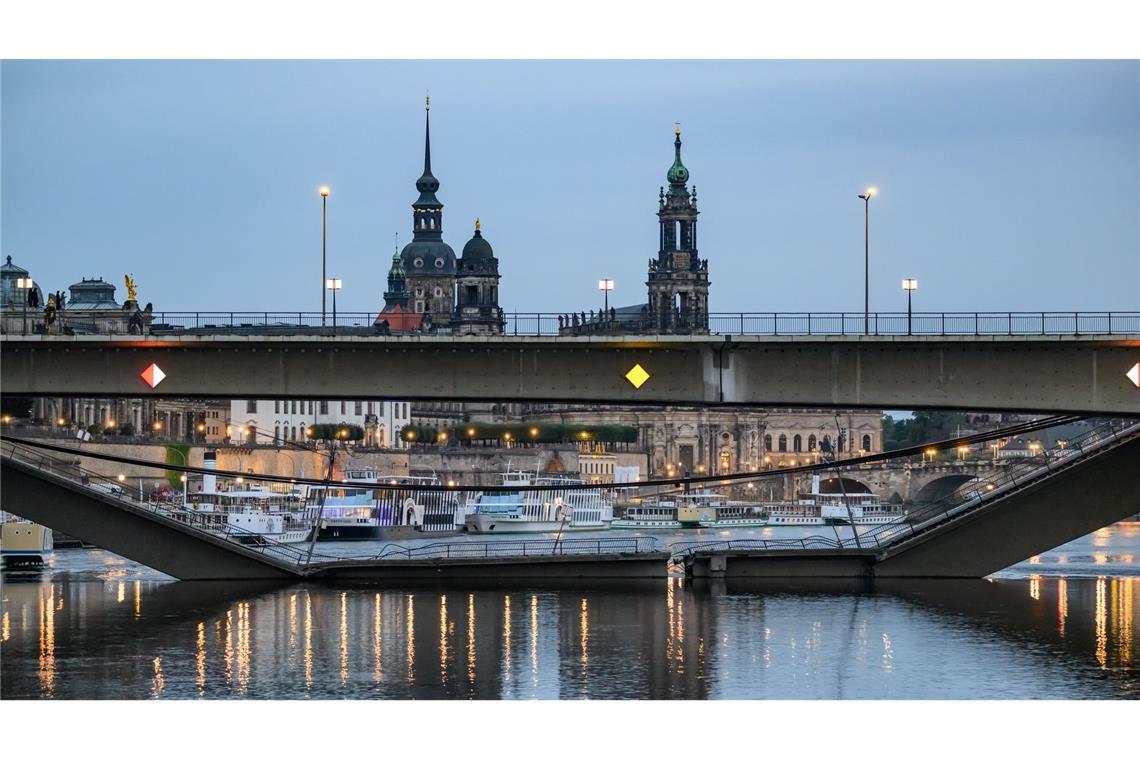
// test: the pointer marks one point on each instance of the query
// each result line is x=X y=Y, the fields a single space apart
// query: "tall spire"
x=427 y=184
x=427 y=135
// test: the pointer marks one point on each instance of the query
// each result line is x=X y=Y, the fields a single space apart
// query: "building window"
x=797 y=443
x=324 y=407
x=371 y=407
x=276 y=407
x=358 y=408
x=783 y=442
x=767 y=443
x=251 y=407
x=342 y=407
x=276 y=433
x=811 y=442
x=866 y=443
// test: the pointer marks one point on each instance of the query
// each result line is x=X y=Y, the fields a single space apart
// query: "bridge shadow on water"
x=71 y=635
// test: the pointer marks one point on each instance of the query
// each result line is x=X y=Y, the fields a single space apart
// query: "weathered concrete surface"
x=852 y=563
x=177 y=550
x=1072 y=503
x=642 y=565
x=1083 y=374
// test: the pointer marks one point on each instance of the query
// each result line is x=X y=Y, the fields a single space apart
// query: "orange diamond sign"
x=152 y=375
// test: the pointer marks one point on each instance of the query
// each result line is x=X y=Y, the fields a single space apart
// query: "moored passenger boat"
x=673 y=511
x=247 y=515
x=349 y=512
x=23 y=543
x=558 y=509
x=817 y=508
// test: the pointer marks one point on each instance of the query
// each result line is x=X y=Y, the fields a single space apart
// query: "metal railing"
x=110 y=488
x=545 y=547
x=967 y=498
x=536 y=324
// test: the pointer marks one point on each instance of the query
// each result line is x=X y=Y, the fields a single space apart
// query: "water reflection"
x=117 y=634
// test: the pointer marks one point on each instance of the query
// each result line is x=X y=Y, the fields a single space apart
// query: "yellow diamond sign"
x=637 y=376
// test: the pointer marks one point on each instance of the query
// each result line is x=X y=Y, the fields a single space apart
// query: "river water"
x=1061 y=625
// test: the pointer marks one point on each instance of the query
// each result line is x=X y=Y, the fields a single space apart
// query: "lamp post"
x=333 y=284
x=606 y=286
x=866 y=198
x=24 y=284
x=909 y=285
x=324 y=256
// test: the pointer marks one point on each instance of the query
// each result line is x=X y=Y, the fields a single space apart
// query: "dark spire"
x=427 y=184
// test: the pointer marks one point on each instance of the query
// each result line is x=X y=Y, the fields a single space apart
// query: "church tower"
x=397 y=293
x=428 y=262
x=678 y=278
x=477 y=286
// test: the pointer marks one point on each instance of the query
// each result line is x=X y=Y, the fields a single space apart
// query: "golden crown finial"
x=677 y=128
x=477 y=227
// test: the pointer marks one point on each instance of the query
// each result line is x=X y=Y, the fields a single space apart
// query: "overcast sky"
x=1003 y=185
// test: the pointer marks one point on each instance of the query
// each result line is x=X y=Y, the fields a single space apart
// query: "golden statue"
x=476 y=224
x=132 y=294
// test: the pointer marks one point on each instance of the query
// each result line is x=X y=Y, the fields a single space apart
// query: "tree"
x=16 y=406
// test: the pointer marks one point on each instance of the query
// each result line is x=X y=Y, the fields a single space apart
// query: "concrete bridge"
x=1037 y=508
x=1084 y=374
x=983 y=528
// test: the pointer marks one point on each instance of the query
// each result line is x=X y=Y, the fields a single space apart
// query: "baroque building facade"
x=433 y=275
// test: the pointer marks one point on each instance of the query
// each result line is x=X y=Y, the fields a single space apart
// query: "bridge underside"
x=177 y=550
x=1043 y=515
x=1054 y=374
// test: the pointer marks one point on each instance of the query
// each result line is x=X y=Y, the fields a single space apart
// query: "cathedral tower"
x=429 y=263
x=678 y=278
x=477 y=287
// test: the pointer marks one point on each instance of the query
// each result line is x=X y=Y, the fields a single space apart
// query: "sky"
x=1003 y=185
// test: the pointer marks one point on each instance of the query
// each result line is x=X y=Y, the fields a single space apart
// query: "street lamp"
x=866 y=198
x=324 y=249
x=909 y=285
x=606 y=286
x=333 y=284
x=25 y=284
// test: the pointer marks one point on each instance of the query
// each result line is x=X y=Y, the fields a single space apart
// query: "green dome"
x=678 y=174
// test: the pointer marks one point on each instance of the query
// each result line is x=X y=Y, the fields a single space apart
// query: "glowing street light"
x=606 y=286
x=866 y=197
x=909 y=285
x=333 y=284
x=24 y=284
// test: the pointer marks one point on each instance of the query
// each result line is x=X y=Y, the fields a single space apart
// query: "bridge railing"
x=968 y=497
x=536 y=324
x=112 y=488
x=516 y=548
x=981 y=491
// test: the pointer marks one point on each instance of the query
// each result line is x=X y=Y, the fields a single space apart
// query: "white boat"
x=246 y=515
x=250 y=515
x=694 y=509
x=349 y=511
x=817 y=508
x=24 y=543
x=738 y=514
x=559 y=509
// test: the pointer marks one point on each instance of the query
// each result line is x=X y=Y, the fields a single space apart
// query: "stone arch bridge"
x=908 y=482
